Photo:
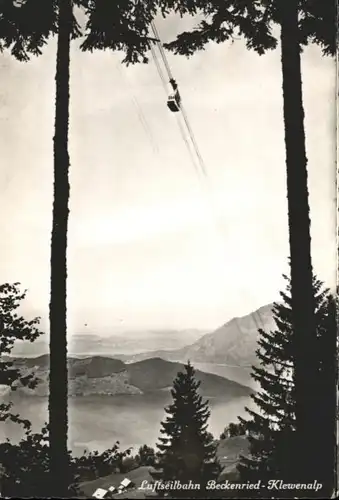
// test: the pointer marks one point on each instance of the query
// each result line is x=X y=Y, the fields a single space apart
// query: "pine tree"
x=187 y=452
x=300 y=22
x=145 y=456
x=272 y=427
x=327 y=350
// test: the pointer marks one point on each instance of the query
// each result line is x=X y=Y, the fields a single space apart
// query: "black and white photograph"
x=168 y=266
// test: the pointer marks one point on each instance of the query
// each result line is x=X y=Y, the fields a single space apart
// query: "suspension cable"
x=182 y=131
x=157 y=65
x=162 y=52
x=140 y=112
x=197 y=160
x=201 y=161
x=184 y=114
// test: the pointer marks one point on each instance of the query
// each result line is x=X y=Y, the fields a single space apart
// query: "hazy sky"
x=147 y=248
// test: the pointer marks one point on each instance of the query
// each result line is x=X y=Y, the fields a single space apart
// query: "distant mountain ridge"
x=98 y=375
x=234 y=343
x=129 y=342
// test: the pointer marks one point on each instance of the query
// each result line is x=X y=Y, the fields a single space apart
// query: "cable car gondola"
x=173 y=103
x=174 y=99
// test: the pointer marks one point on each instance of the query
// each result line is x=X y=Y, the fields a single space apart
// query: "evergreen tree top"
x=120 y=25
x=271 y=425
x=187 y=451
x=26 y=27
x=253 y=20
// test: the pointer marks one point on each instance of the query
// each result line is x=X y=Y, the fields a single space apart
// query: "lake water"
x=97 y=422
x=239 y=374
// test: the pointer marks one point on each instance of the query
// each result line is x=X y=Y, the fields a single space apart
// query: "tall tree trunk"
x=300 y=244
x=58 y=390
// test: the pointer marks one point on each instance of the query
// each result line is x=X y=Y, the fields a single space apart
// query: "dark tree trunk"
x=328 y=406
x=300 y=245
x=58 y=330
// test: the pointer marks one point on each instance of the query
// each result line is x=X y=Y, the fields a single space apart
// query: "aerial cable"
x=216 y=217
x=201 y=161
x=260 y=320
x=157 y=65
x=140 y=112
x=181 y=107
x=171 y=79
x=255 y=320
x=162 y=52
x=202 y=170
x=145 y=124
x=182 y=131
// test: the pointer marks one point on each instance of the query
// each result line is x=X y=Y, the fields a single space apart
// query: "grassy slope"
x=229 y=451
